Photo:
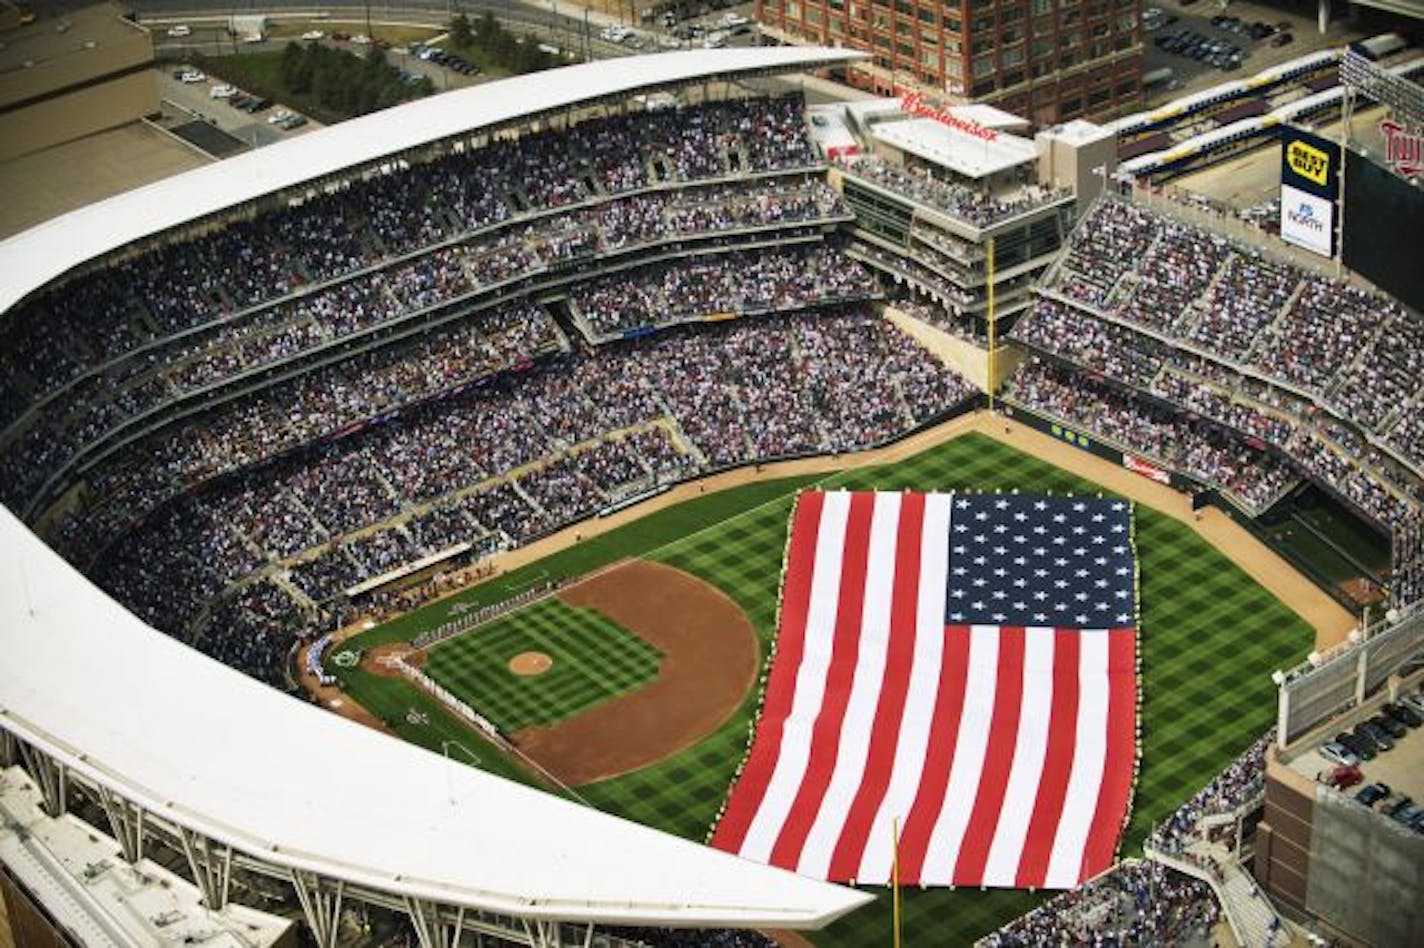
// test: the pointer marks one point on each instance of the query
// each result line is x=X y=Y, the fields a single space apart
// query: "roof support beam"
x=211 y=865
x=126 y=823
x=321 y=904
x=51 y=775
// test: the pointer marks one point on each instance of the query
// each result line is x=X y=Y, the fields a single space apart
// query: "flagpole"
x=895 y=876
x=989 y=247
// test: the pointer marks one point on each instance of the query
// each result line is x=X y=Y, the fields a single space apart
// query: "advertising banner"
x=1310 y=189
x=1307 y=221
x=1150 y=471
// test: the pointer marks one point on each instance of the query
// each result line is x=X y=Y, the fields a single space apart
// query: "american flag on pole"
x=961 y=664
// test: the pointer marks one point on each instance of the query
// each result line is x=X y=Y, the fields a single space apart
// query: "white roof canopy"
x=31 y=259
x=205 y=746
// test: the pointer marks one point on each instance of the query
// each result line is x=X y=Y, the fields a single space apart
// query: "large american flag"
x=962 y=666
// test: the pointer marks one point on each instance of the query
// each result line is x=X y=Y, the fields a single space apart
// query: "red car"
x=1343 y=777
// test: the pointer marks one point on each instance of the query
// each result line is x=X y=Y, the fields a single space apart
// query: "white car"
x=223 y=91
x=191 y=76
x=361 y=39
x=281 y=115
x=180 y=30
x=1338 y=753
x=311 y=35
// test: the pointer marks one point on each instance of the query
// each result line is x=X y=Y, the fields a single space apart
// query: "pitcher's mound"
x=530 y=663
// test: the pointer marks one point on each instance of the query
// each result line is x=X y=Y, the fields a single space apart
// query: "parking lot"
x=253 y=128
x=1396 y=776
x=1194 y=19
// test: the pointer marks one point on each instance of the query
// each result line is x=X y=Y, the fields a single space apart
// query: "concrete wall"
x=1282 y=861
x=968 y=359
x=71 y=116
x=1366 y=873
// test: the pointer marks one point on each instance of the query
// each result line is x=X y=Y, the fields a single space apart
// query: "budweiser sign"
x=1150 y=471
x=915 y=104
x=1402 y=148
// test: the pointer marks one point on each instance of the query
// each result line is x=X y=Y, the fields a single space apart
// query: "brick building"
x=1049 y=61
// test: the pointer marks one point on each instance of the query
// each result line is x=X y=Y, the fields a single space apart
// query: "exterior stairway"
x=1252 y=918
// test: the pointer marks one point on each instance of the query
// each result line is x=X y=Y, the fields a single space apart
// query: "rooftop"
x=102 y=897
x=54 y=37
x=962 y=152
x=43 y=253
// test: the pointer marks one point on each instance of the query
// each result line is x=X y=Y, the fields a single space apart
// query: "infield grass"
x=595 y=659
x=1209 y=641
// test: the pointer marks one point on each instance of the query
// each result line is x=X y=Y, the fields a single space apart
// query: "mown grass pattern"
x=1210 y=638
x=595 y=659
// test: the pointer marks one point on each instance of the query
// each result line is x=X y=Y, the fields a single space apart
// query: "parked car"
x=240 y=101
x=278 y=116
x=312 y=35
x=1397 y=803
x=1377 y=734
x=1394 y=728
x=292 y=121
x=1361 y=748
x=180 y=30
x=1414 y=703
x=1338 y=753
x=1373 y=794
x=1282 y=39
x=1402 y=713
x=223 y=91
x=191 y=76
x=1344 y=777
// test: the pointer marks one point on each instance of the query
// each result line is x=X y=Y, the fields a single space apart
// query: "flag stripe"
x=810 y=682
x=970 y=747
x=863 y=703
x=887 y=725
x=1035 y=709
x=795 y=604
x=922 y=702
x=1065 y=861
x=943 y=746
x=825 y=727
x=998 y=757
x=1116 y=787
x=1053 y=782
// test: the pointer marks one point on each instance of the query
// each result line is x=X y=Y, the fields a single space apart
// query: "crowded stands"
x=1136 y=903
x=497 y=463
x=1206 y=355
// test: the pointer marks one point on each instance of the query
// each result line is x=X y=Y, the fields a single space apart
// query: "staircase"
x=1248 y=911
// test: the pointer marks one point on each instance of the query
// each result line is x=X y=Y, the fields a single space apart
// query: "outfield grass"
x=1210 y=639
x=595 y=659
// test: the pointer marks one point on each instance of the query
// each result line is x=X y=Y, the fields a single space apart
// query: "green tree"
x=460 y=33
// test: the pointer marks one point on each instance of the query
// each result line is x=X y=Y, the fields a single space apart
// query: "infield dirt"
x=710 y=660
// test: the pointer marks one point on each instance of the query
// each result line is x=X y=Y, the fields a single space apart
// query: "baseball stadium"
x=545 y=514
